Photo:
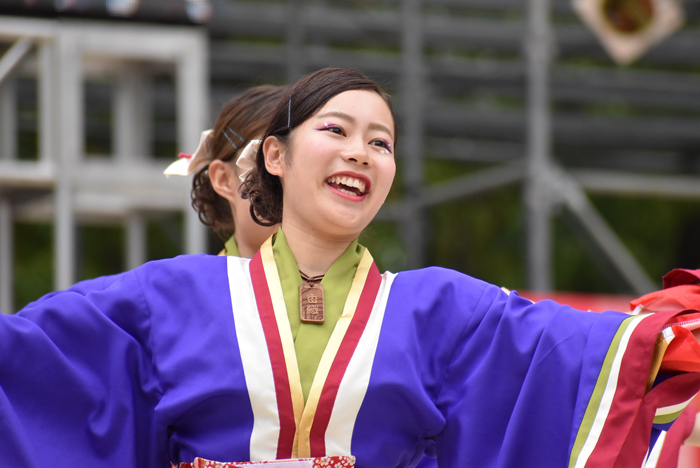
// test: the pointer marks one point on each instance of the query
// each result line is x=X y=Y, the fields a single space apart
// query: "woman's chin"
x=332 y=218
x=342 y=227
x=350 y=221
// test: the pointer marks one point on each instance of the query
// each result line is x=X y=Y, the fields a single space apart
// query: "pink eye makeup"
x=332 y=128
x=327 y=125
x=385 y=146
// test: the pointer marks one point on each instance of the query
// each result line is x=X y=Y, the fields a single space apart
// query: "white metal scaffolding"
x=61 y=184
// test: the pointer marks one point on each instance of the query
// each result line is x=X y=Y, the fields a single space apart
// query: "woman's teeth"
x=347 y=192
x=346 y=184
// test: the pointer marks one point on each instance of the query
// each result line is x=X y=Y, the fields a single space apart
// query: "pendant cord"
x=312 y=280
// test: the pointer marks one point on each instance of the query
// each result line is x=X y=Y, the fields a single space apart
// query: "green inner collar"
x=310 y=339
x=231 y=247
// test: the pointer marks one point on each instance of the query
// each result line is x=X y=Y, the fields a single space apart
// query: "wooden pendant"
x=311 y=302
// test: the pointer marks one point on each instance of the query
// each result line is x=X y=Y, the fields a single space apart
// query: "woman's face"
x=338 y=169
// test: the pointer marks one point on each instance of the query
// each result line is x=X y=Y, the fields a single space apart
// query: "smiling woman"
x=350 y=151
x=308 y=106
x=307 y=350
x=335 y=170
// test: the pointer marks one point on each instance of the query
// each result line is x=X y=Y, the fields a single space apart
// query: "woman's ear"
x=273 y=150
x=224 y=180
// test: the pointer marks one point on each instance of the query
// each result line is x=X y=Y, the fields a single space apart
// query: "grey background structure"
x=507 y=84
x=526 y=51
x=62 y=183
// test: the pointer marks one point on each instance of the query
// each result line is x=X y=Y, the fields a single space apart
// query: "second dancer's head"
x=215 y=188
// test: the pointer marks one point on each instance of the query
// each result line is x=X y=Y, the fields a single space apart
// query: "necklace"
x=311 y=299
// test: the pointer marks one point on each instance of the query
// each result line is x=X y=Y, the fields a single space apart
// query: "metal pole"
x=70 y=116
x=8 y=151
x=413 y=97
x=48 y=97
x=8 y=119
x=135 y=241
x=539 y=137
x=132 y=125
x=6 y=257
x=132 y=122
x=14 y=56
x=192 y=112
x=603 y=235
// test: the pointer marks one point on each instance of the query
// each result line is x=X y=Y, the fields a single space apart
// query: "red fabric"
x=679 y=276
x=681 y=292
x=674 y=298
x=675 y=437
x=321 y=462
x=631 y=411
x=676 y=390
x=341 y=362
x=285 y=406
x=683 y=354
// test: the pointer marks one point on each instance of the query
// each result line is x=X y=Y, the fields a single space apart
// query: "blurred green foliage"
x=100 y=252
x=33 y=255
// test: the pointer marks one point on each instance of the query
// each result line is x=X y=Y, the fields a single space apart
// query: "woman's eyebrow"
x=381 y=128
x=340 y=114
x=350 y=118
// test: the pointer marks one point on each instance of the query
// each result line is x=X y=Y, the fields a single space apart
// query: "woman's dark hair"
x=241 y=119
x=306 y=98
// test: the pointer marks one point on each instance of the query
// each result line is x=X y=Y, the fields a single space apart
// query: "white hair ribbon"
x=246 y=160
x=191 y=163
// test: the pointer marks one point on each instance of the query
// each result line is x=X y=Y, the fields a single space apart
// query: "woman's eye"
x=333 y=129
x=386 y=147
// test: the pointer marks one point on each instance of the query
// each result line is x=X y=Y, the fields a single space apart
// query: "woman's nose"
x=358 y=154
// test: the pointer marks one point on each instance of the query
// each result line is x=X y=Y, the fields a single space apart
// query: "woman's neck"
x=314 y=254
x=245 y=248
x=249 y=244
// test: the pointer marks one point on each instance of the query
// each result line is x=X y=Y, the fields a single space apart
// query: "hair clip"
x=246 y=160
x=190 y=163
x=289 y=112
x=235 y=134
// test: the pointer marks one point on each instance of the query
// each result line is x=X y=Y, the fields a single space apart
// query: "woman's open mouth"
x=349 y=185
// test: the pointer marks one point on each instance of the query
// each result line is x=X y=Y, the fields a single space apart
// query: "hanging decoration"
x=628 y=28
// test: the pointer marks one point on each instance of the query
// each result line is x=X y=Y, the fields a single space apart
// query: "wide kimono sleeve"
x=544 y=385
x=77 y=382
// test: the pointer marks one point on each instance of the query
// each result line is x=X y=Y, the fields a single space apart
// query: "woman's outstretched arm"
x=77 y=382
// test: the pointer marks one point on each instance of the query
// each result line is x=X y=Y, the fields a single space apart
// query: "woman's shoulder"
x=443 y=285
x=185 y=259
x=184 y=271
x=175 y=272
x=442 y=277
x=183 y=262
